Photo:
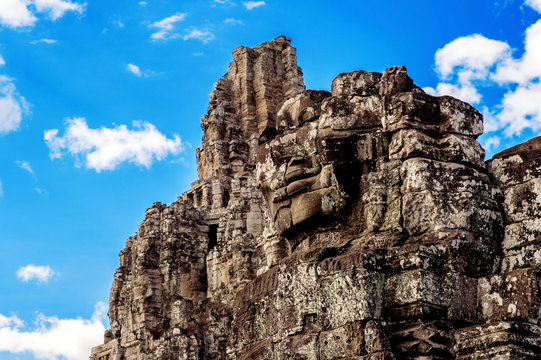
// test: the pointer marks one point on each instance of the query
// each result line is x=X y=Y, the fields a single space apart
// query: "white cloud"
x=106 y=148
x=166 y=26
x=471 y=64
x=464 y=61
x=490 y=121
x=204 y=35
x=25 y=165
x=52 y=337
x=12 y=106
x=15 y=13
x=142 y=3
x=253 y=4
x=33 y=272
x=534 y=4
x=466 y=92
x=134 y=69
x=528 y=67
x=2 y=62
x=57 y=8
x=43 y=41
x=521 y=109
x=21 y=13
x=473 y=55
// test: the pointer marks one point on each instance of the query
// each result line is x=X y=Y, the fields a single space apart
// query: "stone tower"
x=361 y=223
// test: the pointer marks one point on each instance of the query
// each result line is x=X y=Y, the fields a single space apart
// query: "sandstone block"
x=416 y=286
x=510 y=296
x=359 y=82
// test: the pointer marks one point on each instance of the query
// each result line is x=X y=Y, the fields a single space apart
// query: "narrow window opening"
x=374 y=149
x=209 y=199
x=213 y=236
x=226 y=197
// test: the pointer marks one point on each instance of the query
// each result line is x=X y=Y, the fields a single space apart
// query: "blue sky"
x=100 y=103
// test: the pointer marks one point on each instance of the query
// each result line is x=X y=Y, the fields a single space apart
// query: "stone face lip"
x=360 y=223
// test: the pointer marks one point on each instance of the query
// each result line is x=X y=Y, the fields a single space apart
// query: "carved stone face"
x=311 y=165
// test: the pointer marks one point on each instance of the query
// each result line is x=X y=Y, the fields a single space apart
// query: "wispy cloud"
x=25 y=165
x=166 y=26
x=2 y=62
x=12 y=106
x=43 y=41
x=52 y=337
x=106 y=148
x=32 y=272
x=22 y=13
x=57 y=8
x=534 y=4
x=491 y=143
x=232 y=21
x=42 y=191
x=134 y=69
x=203 y=35
x=142 y=3
x=10 y=321
x=250 y=5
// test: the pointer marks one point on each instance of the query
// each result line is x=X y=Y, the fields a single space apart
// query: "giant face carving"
x=311 y=164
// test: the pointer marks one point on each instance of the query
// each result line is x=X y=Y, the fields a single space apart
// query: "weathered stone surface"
x=510 y=296
x=517 y=171
x=499 y=340
x=357 y=224
x=419 y=111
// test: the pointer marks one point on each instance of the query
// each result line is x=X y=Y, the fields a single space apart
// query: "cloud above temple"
x=106 y=148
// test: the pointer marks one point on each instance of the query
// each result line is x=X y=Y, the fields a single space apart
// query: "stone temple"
x=361 y=223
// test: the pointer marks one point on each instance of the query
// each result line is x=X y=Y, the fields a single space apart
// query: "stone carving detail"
x=361 y=223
